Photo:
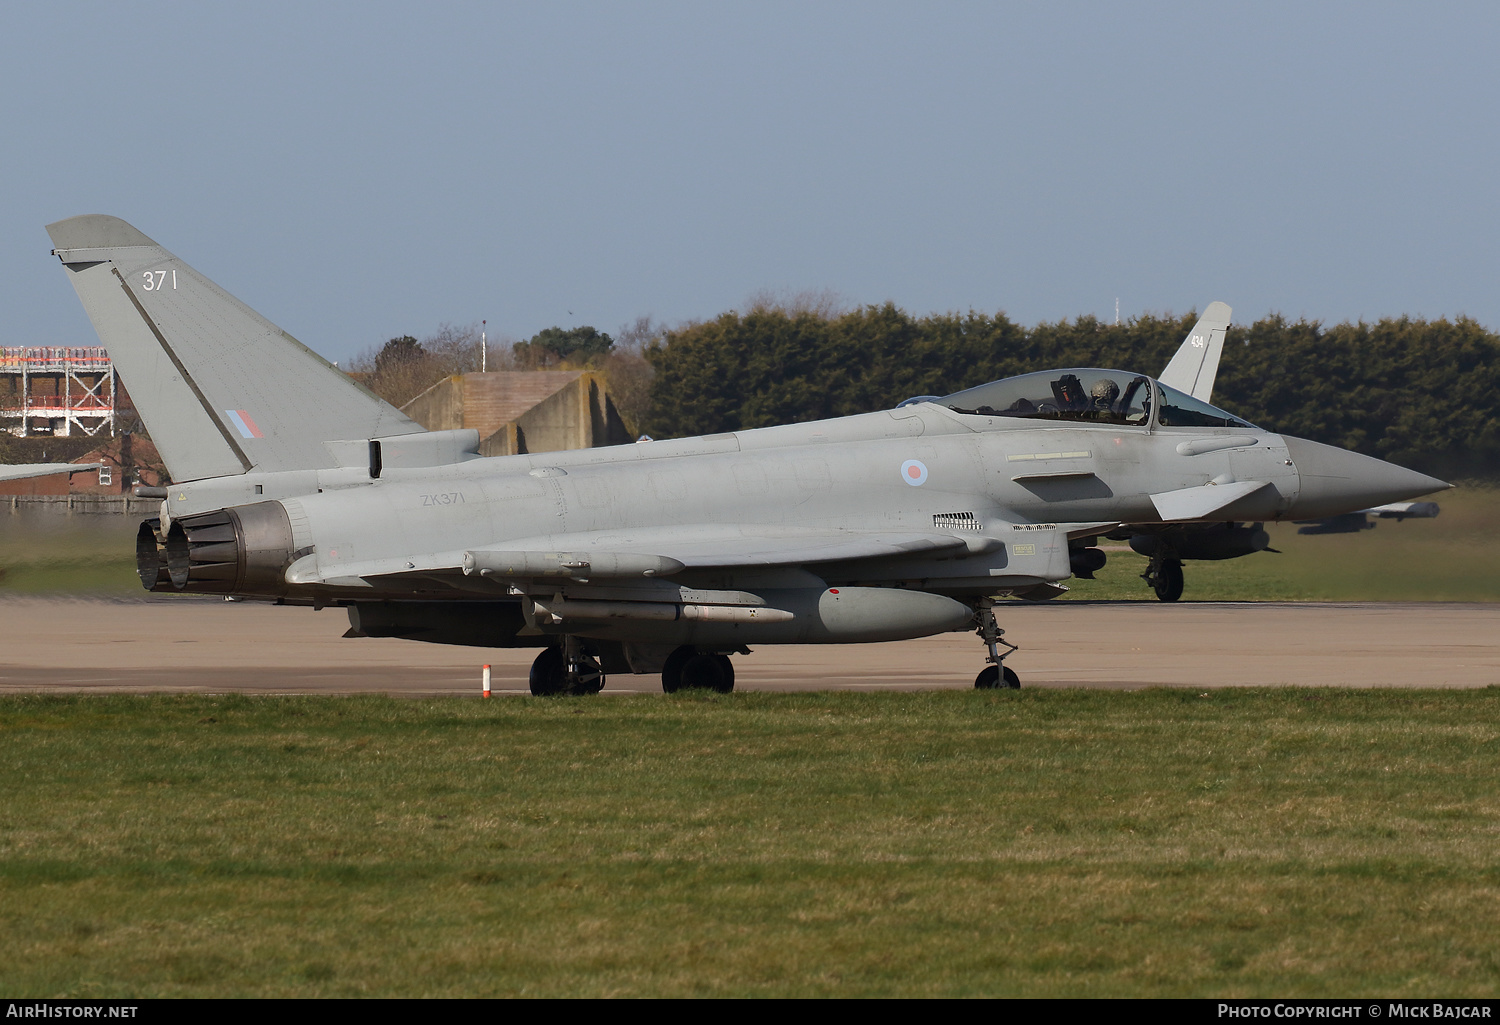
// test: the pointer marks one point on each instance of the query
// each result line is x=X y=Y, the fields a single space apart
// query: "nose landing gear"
x=996 y=675
x=1164 y=575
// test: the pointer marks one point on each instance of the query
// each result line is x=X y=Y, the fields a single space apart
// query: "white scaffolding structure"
x=55 y=390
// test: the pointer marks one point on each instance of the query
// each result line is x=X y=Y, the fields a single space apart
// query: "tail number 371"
x=156 y=280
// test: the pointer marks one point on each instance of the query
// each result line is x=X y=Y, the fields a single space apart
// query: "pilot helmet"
x=1104 y=392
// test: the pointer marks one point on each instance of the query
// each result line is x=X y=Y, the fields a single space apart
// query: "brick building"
x=124 y=461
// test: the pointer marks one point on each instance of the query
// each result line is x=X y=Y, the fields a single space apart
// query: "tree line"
x=1421 y=393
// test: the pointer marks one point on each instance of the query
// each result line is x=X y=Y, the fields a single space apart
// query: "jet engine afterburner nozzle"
x=151 y=558
x=241 y=550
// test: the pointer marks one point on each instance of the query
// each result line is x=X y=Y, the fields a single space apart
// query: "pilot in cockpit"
x=1103 y=395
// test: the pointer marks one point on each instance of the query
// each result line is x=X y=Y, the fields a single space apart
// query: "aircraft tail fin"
x=222 y=390
x=1196 y=364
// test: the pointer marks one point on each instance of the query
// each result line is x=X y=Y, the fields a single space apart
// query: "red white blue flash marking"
x=244 y=424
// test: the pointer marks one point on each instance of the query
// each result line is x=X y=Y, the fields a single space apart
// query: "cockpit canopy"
x=1087 y=396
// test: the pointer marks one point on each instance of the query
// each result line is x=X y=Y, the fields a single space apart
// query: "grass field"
x=67 y=553
x=1286 y=842
x=1455 y=557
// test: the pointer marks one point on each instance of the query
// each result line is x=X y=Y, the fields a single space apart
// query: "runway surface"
x=62 y=645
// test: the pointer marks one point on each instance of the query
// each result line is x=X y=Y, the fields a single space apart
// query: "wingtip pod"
x=94 y=231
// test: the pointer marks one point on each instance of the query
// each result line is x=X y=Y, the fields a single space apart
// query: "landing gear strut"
x=996 y=675
x=1164 y=575
x=568 y=669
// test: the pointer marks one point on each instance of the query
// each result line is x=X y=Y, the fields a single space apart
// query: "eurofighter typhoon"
x=292 y=484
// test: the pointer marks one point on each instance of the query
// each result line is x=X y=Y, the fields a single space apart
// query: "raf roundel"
x=914 y=472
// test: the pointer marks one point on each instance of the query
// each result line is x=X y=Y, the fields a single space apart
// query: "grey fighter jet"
x=292 y=484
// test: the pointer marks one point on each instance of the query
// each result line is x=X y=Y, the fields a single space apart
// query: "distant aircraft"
x=292 y=484
x=1353 y=523
x=21 y=471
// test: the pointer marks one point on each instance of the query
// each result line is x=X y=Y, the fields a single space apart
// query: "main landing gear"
x=573 y=667
x=568 y=669
x=687 y=668
x=996 y=675
x=1164 y=575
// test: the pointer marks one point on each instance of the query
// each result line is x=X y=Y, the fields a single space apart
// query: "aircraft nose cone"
x=1335 y=480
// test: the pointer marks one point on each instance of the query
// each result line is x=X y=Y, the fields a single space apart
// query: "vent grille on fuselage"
x=955 y=521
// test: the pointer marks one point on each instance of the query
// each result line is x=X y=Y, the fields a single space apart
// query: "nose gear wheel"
x=996 y=675
x=1164 y=575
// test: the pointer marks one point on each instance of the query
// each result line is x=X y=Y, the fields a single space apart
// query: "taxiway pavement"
x=193 y=644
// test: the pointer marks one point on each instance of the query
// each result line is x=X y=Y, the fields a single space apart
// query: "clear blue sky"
x=357 y=171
